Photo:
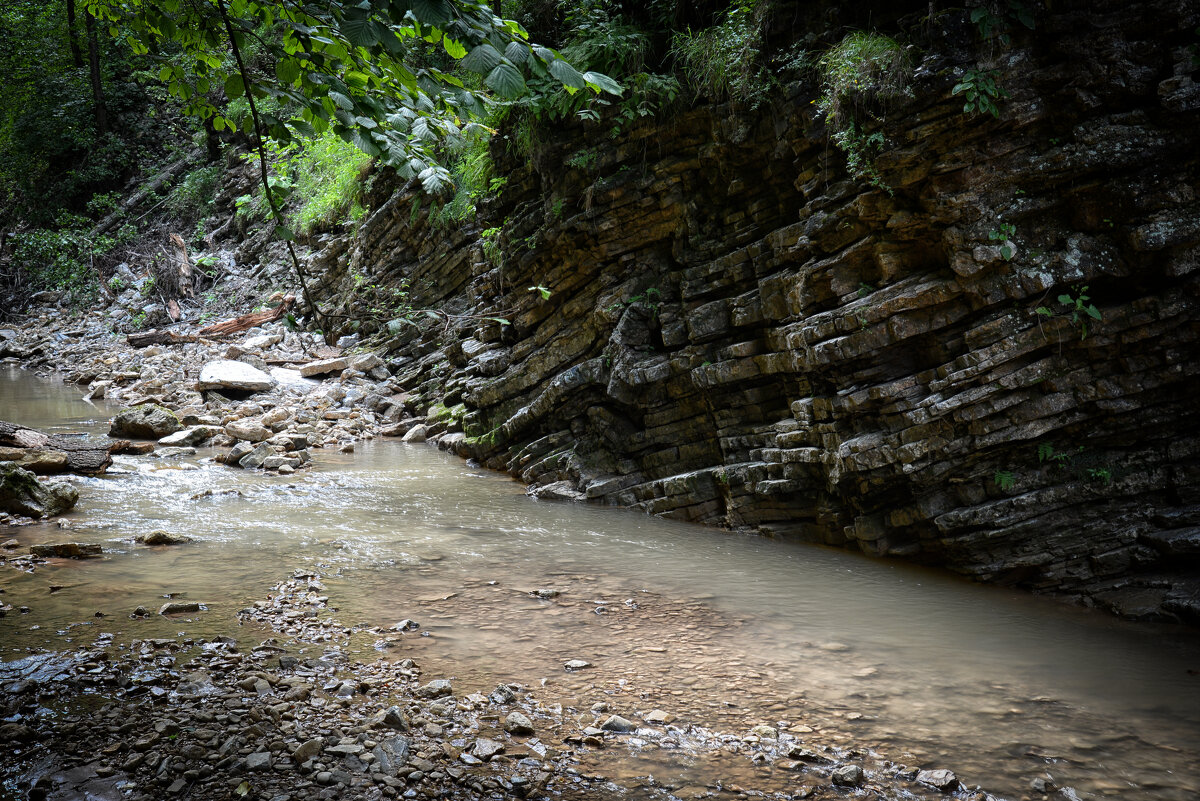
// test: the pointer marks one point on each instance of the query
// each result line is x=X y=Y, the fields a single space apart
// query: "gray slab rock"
x=229 y=374
x=193 y=435
x=324 y=367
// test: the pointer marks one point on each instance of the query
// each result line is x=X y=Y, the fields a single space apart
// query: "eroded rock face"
x=21 y=493
x=740 y=333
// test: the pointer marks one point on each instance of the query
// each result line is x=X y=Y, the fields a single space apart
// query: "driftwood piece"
x=183 y=267
x=142 y=339
x=248 y=321
x=53 y=453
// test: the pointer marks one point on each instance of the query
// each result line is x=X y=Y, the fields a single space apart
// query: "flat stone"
x=193 y=435
x=943 y=780
x=292 y=381
x=65 y=550
x=162 y=538
x=180 y=608
x=260 y=760
x=235 y=375
x=391 y=755
x=658 y=717
x=435 y=689
x=248 y=430
x=577 y=664
x=485 y=749
x=324 y=367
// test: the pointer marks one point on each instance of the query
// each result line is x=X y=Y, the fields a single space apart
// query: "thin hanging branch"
x=276 y=213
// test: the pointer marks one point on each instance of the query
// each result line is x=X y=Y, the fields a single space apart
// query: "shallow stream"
x=721 y=630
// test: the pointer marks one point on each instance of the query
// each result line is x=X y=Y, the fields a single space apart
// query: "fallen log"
x=42 y=453
x=143 y=339
x=248 y=321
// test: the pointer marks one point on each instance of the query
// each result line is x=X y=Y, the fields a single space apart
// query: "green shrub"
x=722 y=61
x=860 y=76
x=192 y=198
x=327 y=182
x=320 y=183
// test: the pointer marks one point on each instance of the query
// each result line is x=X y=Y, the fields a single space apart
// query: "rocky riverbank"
x=267 y=398
x=288 y=712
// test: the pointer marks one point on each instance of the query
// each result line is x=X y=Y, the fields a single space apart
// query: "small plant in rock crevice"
x=861 y=75
x=1004 y=233
x=980 y=91
x=1077 y=308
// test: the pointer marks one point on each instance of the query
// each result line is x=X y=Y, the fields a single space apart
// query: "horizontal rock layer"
x=739 y=333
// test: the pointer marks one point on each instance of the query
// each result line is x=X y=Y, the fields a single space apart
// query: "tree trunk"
x=76 y=55
x=248 y=321
x=100 y=109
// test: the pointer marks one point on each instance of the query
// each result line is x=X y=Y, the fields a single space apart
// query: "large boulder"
x=21 y=493
x=229 y=374
x=147 y=421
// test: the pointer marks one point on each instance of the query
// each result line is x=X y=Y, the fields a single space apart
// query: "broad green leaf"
x=517 y=52
x=506 y=81
x=284 y=233
x=566 y=74
x=304 y=128
x=482 y=59
x=1094 y=313
x=235 y=87
x=342 y=101
x=287 y=70
x=1066 y=300
x=453 y=48
x=359 y=29
x=365 y=143
x=431 y=12
x=601 y=82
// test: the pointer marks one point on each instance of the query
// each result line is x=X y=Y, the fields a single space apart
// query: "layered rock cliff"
x=740 y=333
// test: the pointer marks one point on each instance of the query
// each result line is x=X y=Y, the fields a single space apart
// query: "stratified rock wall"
x=741 y=334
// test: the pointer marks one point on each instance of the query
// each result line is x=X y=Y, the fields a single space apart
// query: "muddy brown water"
x=719 y=630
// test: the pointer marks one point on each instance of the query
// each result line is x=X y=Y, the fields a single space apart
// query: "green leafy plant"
x=541 y=290
x=583 y=159
x=722 y=61
x=981 y=93
x=490 y=242
x=861 y=149
x=1003 y=233
x=861 y=75
x=1004 y=479
x=1077 y=309
x=994 y=20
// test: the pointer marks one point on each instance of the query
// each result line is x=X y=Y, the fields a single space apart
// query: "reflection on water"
x=720 y=630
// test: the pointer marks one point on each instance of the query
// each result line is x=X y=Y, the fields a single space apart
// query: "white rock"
x=228 y=374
